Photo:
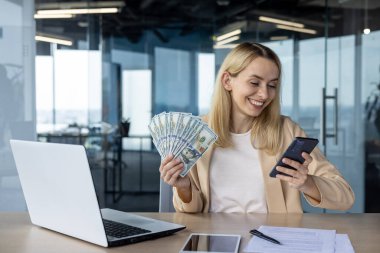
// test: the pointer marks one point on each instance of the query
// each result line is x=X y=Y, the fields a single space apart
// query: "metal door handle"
x=324 y=133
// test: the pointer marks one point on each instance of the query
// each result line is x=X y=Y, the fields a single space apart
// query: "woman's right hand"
x=170 y=169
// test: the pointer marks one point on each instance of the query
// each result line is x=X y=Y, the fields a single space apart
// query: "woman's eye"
x=272 y=86
x=255 y=83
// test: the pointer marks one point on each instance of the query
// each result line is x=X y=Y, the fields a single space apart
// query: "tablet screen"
x=214 y=243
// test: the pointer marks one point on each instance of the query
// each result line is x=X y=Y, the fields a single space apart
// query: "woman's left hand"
x=298 y=178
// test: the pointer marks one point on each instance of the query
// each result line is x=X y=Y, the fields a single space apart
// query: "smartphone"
x=211 y=243
x=294 y=152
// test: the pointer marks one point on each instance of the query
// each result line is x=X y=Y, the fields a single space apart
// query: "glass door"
x=329 y=100
x=342 y=132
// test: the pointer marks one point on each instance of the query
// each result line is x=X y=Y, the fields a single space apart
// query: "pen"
x=265 y=237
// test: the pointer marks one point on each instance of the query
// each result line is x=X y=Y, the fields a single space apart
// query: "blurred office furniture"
x=72 y=134
x=362 y=229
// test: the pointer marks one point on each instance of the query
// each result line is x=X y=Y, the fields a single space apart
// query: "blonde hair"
x=266 y=127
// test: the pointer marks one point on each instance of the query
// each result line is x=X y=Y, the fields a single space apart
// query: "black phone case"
x=294 y=152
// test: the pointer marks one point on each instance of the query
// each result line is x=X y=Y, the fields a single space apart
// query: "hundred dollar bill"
x=154 y=135
x=200 y=143
x=162 y=126
x=183 y=127
x=174 y=119
x=194 y=128
x=160 y=135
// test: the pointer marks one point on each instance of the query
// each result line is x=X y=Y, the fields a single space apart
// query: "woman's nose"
x=263 y=92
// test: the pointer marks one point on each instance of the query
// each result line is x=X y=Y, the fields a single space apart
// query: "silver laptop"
x=60 y=195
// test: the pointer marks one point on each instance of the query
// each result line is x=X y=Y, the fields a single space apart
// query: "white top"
x=236 y=179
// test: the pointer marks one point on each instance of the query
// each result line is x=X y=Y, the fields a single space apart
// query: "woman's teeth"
x=256 y=102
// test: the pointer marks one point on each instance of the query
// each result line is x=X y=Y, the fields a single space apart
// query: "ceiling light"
x=227 y=40
x=279 y=38
x=79 y=11
x=44 y=16
x=53 y=40
x=301 y=30
x=367 y=31
x=227 y=35
x=281 y=22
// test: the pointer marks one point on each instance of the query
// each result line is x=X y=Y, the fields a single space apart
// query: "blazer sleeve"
x=196 y=203
x=335 y=192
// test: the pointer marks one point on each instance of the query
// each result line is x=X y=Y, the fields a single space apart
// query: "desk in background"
x=117 y=190
x=18 y=235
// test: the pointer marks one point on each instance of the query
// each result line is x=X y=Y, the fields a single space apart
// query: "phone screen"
x=211 y=243
x=294 y=152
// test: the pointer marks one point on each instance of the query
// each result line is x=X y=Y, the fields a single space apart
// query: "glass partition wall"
x=17 y=99
x=154 y=56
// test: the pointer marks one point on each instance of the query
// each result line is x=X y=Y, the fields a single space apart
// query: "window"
x=68 y=88
x=206 y=80
x=136 y=105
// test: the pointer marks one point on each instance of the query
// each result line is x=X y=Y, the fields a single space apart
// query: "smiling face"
x=253 y=89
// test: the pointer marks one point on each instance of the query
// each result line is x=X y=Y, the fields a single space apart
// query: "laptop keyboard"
x=120 y=230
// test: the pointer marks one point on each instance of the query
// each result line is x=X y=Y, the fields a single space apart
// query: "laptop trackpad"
x=136 y=221
x=126 y=218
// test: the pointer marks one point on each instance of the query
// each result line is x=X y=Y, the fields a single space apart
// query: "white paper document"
x=293 y=240
x=343 y=244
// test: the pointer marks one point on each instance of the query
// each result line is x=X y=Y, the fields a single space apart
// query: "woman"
x=233 y=175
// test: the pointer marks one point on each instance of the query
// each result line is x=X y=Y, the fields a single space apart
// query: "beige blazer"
x=336 y=193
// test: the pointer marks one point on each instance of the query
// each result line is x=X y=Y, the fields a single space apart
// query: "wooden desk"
x=18 y=235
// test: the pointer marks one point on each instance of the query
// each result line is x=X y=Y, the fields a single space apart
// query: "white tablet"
x=211 y=243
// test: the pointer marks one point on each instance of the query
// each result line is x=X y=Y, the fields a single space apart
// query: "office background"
x=155 y=55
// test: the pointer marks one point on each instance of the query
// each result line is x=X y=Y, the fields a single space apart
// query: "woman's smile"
x=256 y=103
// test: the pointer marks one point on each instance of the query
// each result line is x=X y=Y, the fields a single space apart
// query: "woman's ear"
x=226 y=81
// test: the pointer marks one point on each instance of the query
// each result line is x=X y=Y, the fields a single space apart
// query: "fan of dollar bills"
x=181 y=134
